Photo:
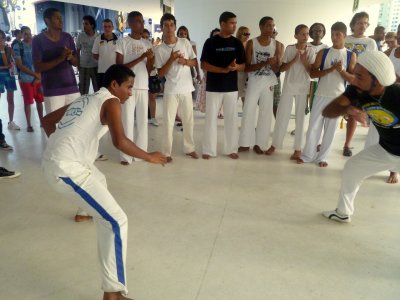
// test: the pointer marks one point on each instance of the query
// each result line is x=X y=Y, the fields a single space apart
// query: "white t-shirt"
x=332 y=84
x=76 y=139
x=297 y=79
x=106 y=51
x=264 y=76
x=359 y=45
x=395 y=61
x=132 y=49
x=179 y=78
x=316 y=50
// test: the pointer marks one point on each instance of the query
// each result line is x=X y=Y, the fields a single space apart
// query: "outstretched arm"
x=111 y=116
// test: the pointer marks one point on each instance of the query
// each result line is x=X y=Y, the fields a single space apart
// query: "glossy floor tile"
x=248 y=229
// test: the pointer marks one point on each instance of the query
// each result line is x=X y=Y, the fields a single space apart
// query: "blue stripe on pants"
x=107 y=217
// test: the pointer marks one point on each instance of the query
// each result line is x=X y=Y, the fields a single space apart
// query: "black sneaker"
x=6 y=147
x=4 y=173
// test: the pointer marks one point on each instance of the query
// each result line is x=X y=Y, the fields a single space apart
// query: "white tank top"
x=395 y=61
x=332 y=84
x=265 y=75
x=77 y=136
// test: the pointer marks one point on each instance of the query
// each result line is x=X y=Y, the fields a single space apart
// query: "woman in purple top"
x=54 y=54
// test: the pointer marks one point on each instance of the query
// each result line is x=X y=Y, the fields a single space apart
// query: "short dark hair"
x=339 y=26
x=264 y=20
x=225 y=16
x=3 y=34
x=318 y=24
x=23 y=28
x=119 y=73
x=108 y=21
x=379 y=28
x=167 y=17
x=357 y=17
x=134 y=14
x=48 y=13
x=146 y=30
x=16 y=31
x=217 y=30
x=91 y=21
x=299 y=28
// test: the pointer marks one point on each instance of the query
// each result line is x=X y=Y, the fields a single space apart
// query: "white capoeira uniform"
x=137 y=104
x=330 y=86
x=259 y=92
x=177 y=95
x=68 y=166
x=295 y=86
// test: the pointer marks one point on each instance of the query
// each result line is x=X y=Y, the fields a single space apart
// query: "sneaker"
x=13 y=126
x=6 y=147
x=4 y=173
x=153 y=122
x=335 y=215
x=101 y=157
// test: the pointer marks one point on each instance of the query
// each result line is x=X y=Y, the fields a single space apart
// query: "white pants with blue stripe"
x=87 y=187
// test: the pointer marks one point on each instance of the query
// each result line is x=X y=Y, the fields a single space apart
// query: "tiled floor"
x=248 y=229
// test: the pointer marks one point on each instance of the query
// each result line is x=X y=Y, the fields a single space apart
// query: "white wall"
x=201 y=16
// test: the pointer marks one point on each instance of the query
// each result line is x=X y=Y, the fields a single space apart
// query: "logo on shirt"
x=357 y=48
x=262 y=57
x=382 y=117
x=225 y=49
x=74 y=111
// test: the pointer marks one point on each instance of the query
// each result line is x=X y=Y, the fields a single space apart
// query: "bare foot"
x=299 y=161
x=233 y=155
x=206 y=156
x=257 y=149
x=79 y=218
x=124 y=163
x=270 y=151
x=243 y=149
x=169 y=159
x=393 y=178
x=114 y=296
x=193 y=155
x=319 y=147
x=296 y=155
x=323 y=164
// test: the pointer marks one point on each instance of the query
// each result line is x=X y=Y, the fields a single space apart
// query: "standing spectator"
x=53 y=53
x=18 y=38
x=87 y=64
x=136 y=53
x=4 y=173
x=222 y=58
x=243 y=34
x=262 y=54
x=358 y=43
x=391 y=42
x=104 y=47
x=174 y=58
x=29 y=80
x=7 y=81
x=379 y=36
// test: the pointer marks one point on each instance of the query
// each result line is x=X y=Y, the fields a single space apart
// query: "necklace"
x=171 y=46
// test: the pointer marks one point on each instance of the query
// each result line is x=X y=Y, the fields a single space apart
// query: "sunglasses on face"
x=246 y=33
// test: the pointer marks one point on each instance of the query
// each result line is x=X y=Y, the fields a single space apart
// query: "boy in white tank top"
x=68 y=164
x=331 y=66
x=262 y=55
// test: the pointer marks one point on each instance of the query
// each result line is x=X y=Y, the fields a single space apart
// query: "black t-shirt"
x=384 y=112
x=220 y=52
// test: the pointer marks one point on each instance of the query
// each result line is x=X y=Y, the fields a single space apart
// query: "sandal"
x=347 y=151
